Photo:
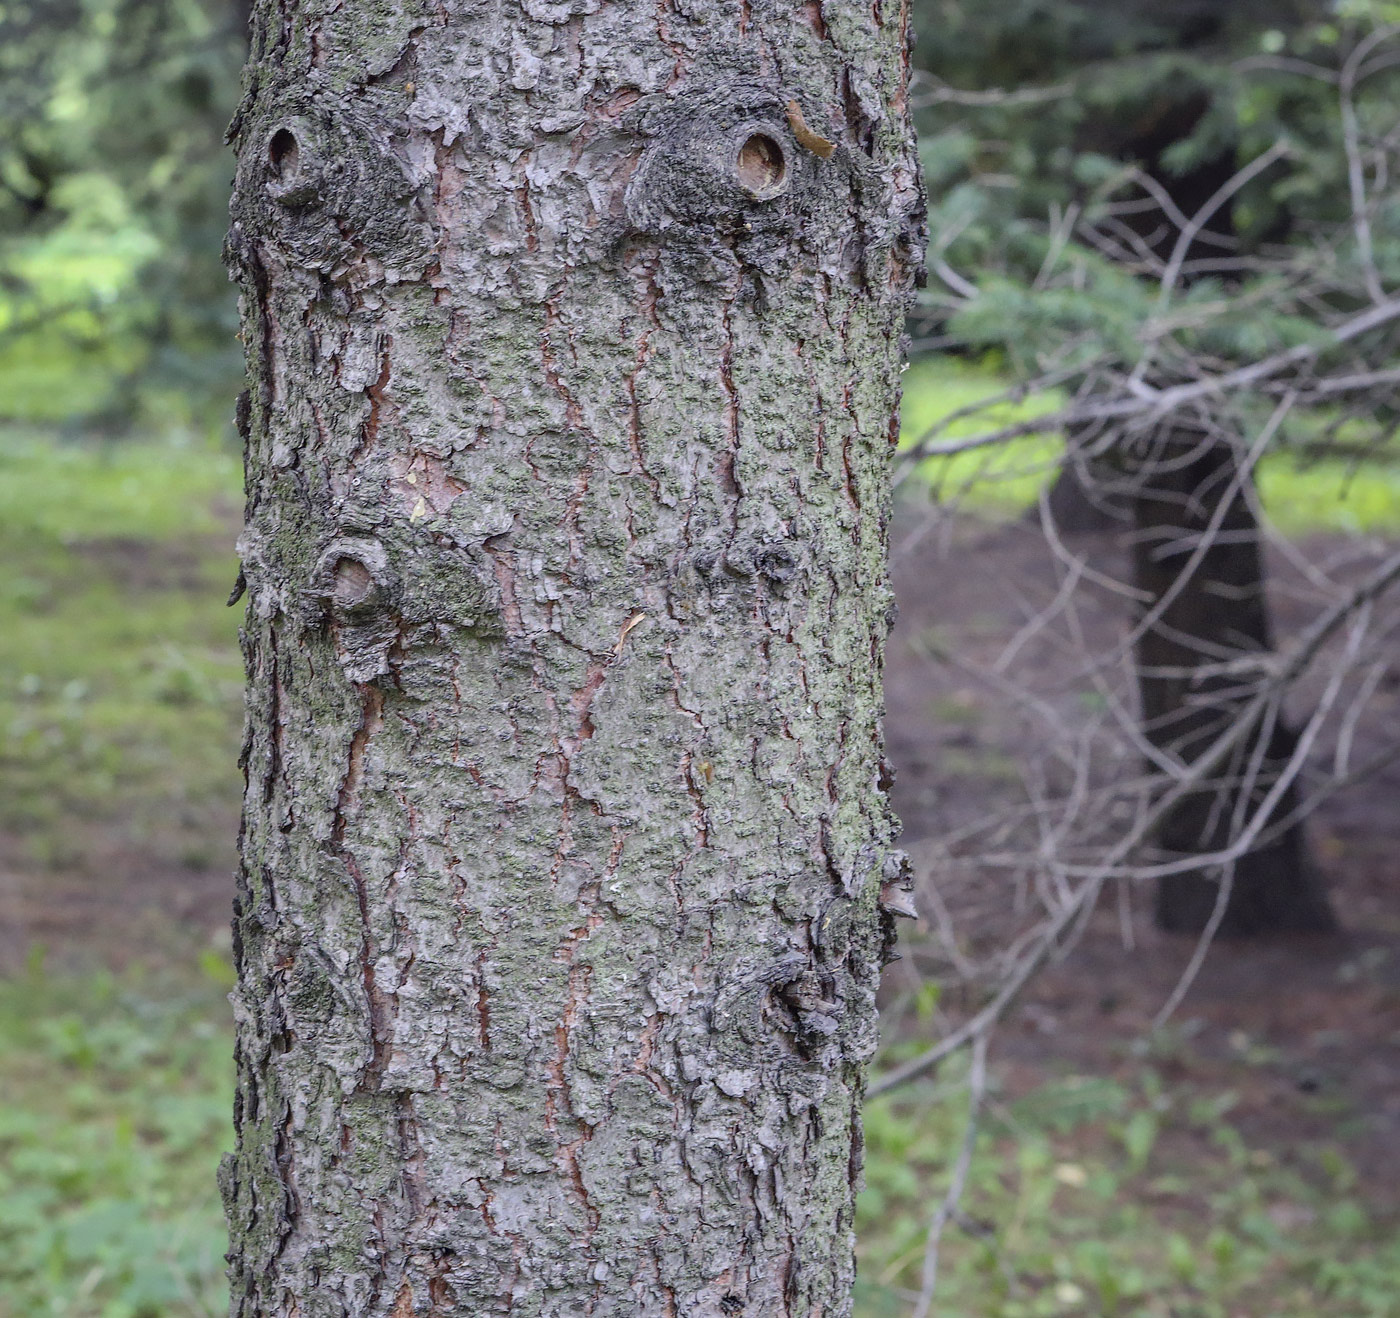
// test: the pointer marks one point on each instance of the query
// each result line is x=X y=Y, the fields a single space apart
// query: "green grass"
x=1090 y=1197
x=119 y=675
x=1334 y=495
x=1300 y=498
x=151 y=490
x=1003 y=478
x=115 y=1098
x=120 y=697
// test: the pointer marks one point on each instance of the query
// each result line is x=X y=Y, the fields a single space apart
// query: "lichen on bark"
x=573 y=380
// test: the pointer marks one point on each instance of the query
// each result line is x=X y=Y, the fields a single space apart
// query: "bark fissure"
x=564 y=846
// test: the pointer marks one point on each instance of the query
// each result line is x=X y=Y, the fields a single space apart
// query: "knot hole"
x=283 y=153
x=761 y=166
x=352 y=583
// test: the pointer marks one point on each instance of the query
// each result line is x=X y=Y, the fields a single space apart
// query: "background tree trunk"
x=574 y=358
x=1211 y=613
x=1080 y=504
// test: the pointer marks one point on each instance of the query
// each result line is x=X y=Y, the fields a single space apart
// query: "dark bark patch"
x=354 y=592
x=778 y=564
x=352 y=580
x=283 y=152
x=326 y=188
x=353 y=583
x=725 y=166
x=293 y=182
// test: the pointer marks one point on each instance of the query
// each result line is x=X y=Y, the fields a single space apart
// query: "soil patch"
x=1305 y=1032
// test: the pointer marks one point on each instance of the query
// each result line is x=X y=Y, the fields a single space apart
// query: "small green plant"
x=115 y=1098
x=1089 y=1196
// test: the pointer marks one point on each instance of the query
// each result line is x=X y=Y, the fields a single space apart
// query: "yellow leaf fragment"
x=816 y=144
x=626 y=628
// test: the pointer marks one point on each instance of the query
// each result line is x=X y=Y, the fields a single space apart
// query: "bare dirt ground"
x=1305 y=1031
x=121 y=903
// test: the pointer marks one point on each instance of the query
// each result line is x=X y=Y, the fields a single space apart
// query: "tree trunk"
x=574 y=355
x=1209 y=613
x=1080 y=504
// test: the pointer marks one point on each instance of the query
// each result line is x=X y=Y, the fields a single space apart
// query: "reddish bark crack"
x=369 y=434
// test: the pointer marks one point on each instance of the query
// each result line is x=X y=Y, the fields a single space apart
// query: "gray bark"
x=574 y=365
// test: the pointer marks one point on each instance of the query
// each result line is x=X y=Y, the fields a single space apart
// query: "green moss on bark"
x=564 y=846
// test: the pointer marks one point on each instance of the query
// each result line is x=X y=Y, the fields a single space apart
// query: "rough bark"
x=1209 y=614
x=574 y=358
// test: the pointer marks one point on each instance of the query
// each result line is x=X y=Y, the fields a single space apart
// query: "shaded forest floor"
x=1325 y=1011
x=1242 y=1161
x=1280 y=1072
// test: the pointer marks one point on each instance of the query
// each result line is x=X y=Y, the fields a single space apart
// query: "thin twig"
x=977 y=1091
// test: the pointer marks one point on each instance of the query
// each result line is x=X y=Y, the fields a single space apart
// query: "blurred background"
x=1142 y=1054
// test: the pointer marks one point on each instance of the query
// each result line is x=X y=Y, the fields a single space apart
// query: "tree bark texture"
x=1197 y=560
x=574 y=343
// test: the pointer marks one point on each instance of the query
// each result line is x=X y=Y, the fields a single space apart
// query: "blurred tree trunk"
x=1078 y=504
x=574 y=360
x=241 y=12
x=1211 y=612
